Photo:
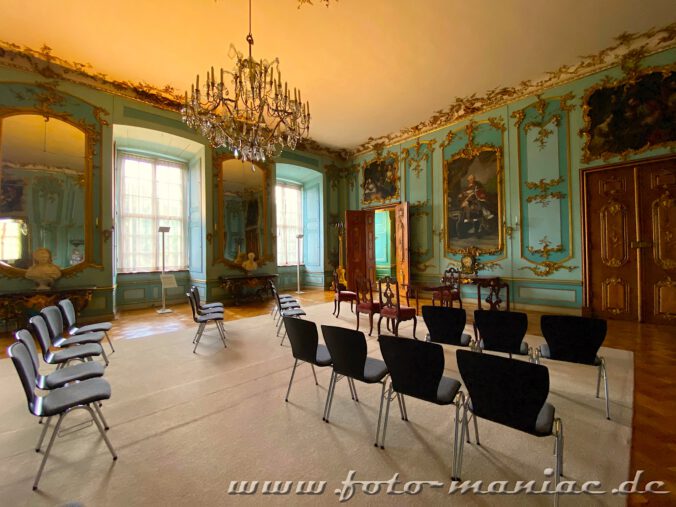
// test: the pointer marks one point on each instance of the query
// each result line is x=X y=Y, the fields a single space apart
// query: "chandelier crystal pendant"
x=255 y=116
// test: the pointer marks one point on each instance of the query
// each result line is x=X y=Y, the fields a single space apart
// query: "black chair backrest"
x=444 y=324
x=573 y=339
x=415 y=367
x=193 y=305
x=303 y=337
x=24 y=367
x=348 y=350
x=501 y=331
x=276 y=294
x=68 y=312
x=24 y=336
x=504 y=390
x=39 y=329
x=54 y=320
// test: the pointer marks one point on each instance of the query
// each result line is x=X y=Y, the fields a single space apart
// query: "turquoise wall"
x=542 y=256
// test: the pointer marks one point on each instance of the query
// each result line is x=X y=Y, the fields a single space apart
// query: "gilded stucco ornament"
x=544 y=187
x=547 y=267
x=417 y=156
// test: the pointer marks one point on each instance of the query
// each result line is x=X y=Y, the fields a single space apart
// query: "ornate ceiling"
x=369 y=68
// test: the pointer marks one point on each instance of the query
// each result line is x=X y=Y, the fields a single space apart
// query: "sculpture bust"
x=250 y=264
x=43 y=272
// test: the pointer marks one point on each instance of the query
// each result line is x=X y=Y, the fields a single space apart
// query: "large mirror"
x=242 y=214
x=43 y=178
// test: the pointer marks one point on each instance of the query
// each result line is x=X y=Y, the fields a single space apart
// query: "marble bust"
x=43 y=272
x=250 y=264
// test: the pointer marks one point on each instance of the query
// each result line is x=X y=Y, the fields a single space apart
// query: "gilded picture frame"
x=630 y=116
x=474 y=200
x=380 y=179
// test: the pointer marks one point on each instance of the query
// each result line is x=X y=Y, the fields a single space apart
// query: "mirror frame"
x=42 y=99
x=219 y=227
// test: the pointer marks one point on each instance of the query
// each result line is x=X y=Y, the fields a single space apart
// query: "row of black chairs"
x=509 y=392
x=568 y=338
x=68 y=387
x=205 y=313
x=285 y=305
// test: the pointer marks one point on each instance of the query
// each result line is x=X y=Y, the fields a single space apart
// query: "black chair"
x=59 y=402
x=288 y=309
x=61 y=376
x=511 y=393
x=501 y=331
x=69 y=316
x=576 y=340
x=203 y=320
x=417 y=369
x=62 y=357
x=54 y=320
x=204 y=308
x=305 y=347
x=284 y=298
x=446 y=325
x=348 y=352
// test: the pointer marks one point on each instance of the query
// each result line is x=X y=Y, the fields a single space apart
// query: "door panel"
x=370 y=257
x=630 y=216
x=401 y=232
x=355 y=246
x=611 y=228
x=657 y=214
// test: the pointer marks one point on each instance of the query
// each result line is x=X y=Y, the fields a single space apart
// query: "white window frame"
x=286 y=232
x=125 y=264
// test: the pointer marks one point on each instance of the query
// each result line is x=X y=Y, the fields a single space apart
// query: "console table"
x=19 y=306
x=243 y=288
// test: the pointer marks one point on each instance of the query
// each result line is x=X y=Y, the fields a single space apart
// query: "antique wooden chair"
x=390 y=306
x=341 y=295
x=365 y=302
x=449 y=290
x=497 y=290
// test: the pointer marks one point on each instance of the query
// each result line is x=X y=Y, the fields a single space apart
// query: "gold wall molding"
x=546 y=250
x=336 y=174
x=544 y=186
x=626 y=51
x=416 y=157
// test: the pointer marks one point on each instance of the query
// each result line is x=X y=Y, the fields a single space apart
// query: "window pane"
x=289 y=223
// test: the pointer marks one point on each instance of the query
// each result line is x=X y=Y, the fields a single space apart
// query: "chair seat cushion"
x=465 y=339
x=62 y=399
x=91 y=328
x=545 y=420
x=77 y=352
x=345 y=295
x=368 y=307
x=81 y=371
x=545 y=352
x=323 y=356
x=447 y=390
x=523 y=348
x=405 y=312
x=290 y=304
x=78 y=339
x=208 y=317
x=292 y=312
x=374 y=370
x=284 y=297
x=212 y=305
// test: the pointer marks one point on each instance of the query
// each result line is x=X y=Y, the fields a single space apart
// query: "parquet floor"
x=654 y=436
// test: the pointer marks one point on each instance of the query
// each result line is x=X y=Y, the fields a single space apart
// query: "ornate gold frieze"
x=310 y=2
x=416 y=158
x=627 y=49
x=546 y=268
x=544 y=186
x=498 y=123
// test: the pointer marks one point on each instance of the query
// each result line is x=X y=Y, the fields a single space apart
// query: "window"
x=289 y=223
x=152 y=194
x=11 y=239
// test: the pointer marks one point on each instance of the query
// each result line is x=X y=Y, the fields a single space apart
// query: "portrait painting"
x=380 y=180
x=632 y=116
x=11 y=196
x=473 y=202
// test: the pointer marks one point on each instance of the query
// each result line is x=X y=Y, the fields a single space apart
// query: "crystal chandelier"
x=255 y=116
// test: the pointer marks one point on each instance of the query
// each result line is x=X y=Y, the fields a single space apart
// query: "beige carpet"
x=185 y=425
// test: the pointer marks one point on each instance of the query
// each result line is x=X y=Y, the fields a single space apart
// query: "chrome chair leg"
x=109 y=342
x=404 y=414
x=105 y=357
x=387 y=415
x=605 y=385
x=459 y=401
x=314 y=374
x=476 y=429
x=461 y=441
x=49 y=448
x=331 y=395
x=100 y=414
x=332 y=383
x=293 y=372
x=353 y=388
x=380 y=412
x=101 y=430
x=42 y=434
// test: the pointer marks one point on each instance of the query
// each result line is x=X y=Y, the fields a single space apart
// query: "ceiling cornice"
x=628 y=46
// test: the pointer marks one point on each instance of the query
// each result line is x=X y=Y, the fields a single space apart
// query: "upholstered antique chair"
x=341 y=295
x=449 y=290
x=390 y=305
x=365 y=302
x=493 y=292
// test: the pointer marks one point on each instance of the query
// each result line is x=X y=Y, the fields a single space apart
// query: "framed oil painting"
x=380 y=179
x=630 y=116
x=473 y=197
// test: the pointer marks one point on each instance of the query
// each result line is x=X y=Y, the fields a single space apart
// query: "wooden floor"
x=654 y=347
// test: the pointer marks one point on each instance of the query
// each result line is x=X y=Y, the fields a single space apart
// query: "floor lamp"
x=299 y=238
x=168 y=281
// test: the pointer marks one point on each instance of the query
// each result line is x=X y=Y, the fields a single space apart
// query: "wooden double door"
x=360 y=245
x=629 y=214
